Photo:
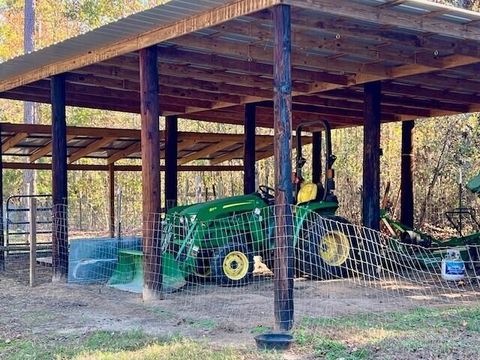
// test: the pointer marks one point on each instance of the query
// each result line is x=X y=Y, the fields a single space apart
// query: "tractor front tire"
x=232 y=265
x=327 y=248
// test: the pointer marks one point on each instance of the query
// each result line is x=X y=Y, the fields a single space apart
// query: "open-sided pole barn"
x=359 y=62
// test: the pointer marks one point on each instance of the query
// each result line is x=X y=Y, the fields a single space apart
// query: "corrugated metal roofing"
x=171 y=12
x=125 y=28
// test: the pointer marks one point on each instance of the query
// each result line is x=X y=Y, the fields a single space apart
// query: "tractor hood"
x=219 y=208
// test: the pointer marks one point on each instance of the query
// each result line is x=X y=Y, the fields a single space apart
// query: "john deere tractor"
x=216 y=240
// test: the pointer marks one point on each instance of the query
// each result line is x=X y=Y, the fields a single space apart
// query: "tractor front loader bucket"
x=128 y=275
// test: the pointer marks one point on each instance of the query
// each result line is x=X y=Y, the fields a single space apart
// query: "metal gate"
x=17 y=227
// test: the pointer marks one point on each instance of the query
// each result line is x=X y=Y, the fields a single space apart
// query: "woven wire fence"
x=226 y=268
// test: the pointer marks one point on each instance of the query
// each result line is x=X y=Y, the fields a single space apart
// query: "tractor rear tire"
x=328 y=250
x=232 y=265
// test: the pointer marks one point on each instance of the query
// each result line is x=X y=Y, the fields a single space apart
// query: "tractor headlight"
x=193 y=217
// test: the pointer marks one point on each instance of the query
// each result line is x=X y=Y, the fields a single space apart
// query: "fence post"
x=284 y=262
x=33 y=240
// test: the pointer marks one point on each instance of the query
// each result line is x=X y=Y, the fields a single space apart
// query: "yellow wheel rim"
x=235 y=265
x=335 y=248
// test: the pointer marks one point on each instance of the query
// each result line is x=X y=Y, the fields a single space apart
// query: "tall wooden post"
x=59 y=180
x=406 y=186
x=33 y=240
x=371 y=156
x=171 y=171
x=284 y=256
x=2 y=235
x=150 y=137
x=316 y=157
x=111 y=203
x=249 y=150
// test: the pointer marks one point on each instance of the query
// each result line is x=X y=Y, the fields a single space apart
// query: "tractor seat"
x=310 y=192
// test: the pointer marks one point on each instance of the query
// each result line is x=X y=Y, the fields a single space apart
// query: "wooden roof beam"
x=259 y=144
x=185 y=143
x=99 y=167
x=169 y=82
x=418 y=91
x=72 y=130
x=308 y=38
x=132 y=149
x=207 y=18
x=211 y=149
x=169 y=103
x=125 y=68
x=418 y=42
x=388 y=17
x=45 y=150
x=220 y=62
x=402 y=101
x=105 y=99
x=404 y=71
x=12 y=141
x=92 y=147
x=257 y=53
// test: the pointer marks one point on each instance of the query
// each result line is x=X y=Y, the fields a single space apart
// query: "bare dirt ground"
x=226 y=316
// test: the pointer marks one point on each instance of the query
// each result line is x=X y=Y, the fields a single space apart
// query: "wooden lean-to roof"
x=26 y=145
x=216 y=55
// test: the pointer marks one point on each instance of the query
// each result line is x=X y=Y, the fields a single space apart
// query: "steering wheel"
x=266 y=192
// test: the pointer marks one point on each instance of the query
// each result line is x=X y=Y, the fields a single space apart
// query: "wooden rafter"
x=211 y=149
x=186 y=143
x=12 y=141
x=151 y=37
x=92 y=147
x=133 y=148
x=97 y=167
x=389 y=17
x=337 y=46
x=45 y=150
x=259 y=144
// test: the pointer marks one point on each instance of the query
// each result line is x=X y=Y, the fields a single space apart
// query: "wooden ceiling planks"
x=428 y=65
x=33 y=142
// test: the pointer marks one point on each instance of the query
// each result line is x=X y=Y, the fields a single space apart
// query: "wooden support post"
x=316 y=157
x=150 y=138
x=33 y=241
x=284 y=255
x=249 y=150
x=2 y=235
x=59 y=180
x=171 y=169
x=111 y=203
x=406 y=186
x=371 y=156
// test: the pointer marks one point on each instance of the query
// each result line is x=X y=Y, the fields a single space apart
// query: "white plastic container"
x=453 y=267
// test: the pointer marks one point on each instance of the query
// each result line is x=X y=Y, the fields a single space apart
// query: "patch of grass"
x=112 y=341
x=326 y=348
x=178 y=350
x=427 y=331
x=135 y=345
x=404 y=321
x=260 y=329
x=206 y=324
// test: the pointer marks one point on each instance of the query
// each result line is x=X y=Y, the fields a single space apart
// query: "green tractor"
x=217 y=240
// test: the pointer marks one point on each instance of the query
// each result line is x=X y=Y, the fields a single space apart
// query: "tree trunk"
x=29 y=108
